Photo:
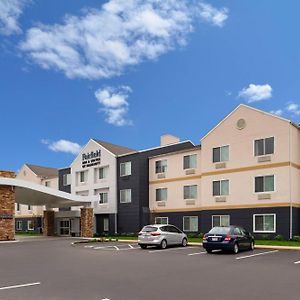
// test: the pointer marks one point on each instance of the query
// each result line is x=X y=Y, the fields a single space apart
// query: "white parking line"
x=130 y=246
x=170 y=249
x=196 y=253
x=297 y=262
x=89 y=246
x=19 y=286
x=257 y=254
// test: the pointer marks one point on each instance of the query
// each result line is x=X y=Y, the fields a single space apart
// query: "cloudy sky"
x=128 y=71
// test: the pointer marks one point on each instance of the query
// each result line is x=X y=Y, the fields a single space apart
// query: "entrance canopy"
x=29 y=193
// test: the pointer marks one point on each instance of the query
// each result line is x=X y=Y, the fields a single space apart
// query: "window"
x=222 y=220
x=161 y=220
x=29 y=207
x=103 y=198
x=264 y=146
x=161 y=194
x=190 y=192
x=18 y=206
x=125 y=169
x=190 y=161
x=66 y=179
x=221 y=154
x=161 y=166
x=30 y=225
x=264 y=223
x=48 y=183
x=103 y=172
x=190 y=223
x=19 y=225
x=264 y=184
x=221 y=188
x=105 y=224
x=125 y=196
x=82 y=176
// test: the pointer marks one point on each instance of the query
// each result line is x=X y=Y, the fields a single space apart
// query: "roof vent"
x=241 y=124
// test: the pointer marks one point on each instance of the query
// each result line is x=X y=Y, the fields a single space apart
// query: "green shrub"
x=296 y=238
x=279 y=237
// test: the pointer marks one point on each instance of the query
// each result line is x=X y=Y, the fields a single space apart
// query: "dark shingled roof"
x=115 y=149
x=43 y=171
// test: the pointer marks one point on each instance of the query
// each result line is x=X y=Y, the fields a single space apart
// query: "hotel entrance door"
x=64 y=227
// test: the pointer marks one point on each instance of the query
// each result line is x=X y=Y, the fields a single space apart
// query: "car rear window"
x=149 y=229
x=219 y=230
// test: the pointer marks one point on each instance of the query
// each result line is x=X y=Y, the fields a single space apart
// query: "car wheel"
x=143 y=246
x=252 y=246
x=208 y=250
x=163 y=244
x=236 y=248
x=184 y=242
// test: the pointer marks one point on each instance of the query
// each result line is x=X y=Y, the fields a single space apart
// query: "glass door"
x=64 y=227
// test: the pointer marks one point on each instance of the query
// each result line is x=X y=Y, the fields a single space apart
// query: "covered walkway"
x=24 y=192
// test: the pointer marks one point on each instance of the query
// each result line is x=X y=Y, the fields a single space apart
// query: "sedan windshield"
x=149 y=229
x=219 y=230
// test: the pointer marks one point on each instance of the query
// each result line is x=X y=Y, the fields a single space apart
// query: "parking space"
x=54 y=269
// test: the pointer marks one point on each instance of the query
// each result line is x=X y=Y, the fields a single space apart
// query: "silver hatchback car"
x=161 y=236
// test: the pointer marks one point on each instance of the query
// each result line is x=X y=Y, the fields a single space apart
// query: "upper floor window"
x=83 y=176
x=161 y=194
x=190 y=161
x=161 y=166
x=125 y=168
x=221 y=188
x=103 y=198
x=125 y=196
x=66 y=179
x=264 y=146
x=264 y=184
x=103 y=172
x=220 y=154
x=190 y=192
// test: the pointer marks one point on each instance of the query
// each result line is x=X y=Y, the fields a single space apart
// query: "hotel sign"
x=90 y=159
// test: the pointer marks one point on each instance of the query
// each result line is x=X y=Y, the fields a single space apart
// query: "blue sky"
x=130 y=71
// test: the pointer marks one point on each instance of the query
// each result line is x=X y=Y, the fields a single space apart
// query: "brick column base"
x=7 y=209
x=86 y=220
x=48 y=228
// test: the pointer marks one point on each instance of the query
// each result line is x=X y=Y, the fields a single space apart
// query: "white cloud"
x=62 y=146
x=115 y=104
x=105 y=41
x=10 y=11
x=278 y=112
x=293 y=108
x=256 y=92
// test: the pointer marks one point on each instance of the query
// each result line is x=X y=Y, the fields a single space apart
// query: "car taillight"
x=227 y=238
x=155 y=233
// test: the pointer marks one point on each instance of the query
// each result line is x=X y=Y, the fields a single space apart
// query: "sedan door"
x=176 y=235
x=241 y=238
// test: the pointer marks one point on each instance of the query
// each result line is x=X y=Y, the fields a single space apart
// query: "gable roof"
x=115 y=149
x=252 y=108
x=43 y=171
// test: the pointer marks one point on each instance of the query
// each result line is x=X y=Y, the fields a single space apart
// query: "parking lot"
x=51 y=268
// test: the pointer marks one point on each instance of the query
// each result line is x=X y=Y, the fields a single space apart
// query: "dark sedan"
x=228 y=238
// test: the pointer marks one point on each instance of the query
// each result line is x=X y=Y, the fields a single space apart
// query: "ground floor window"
x=105 y=224
x=161 y=220
x=30 y=225
x=220 y=220
x=264 y=223
x=19 y=225
x=190 y=223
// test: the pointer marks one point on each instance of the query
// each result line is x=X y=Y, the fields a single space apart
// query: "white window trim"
x=166 y=166
x=162 y=218
x=160 y=188
x=217 y=162
x=124 y=163
x=212 y=219
x=98 y=172
x=104 y=203
x=190 y=217
x=196 y=161
x=259 y=231
x=85 y=177
x=30 y=229
x=130 y=196
x=270 y=192
x=220 y=187
x=17 y=226
x=263 y=138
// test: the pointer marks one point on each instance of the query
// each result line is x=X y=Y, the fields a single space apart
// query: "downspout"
x=290 y=185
